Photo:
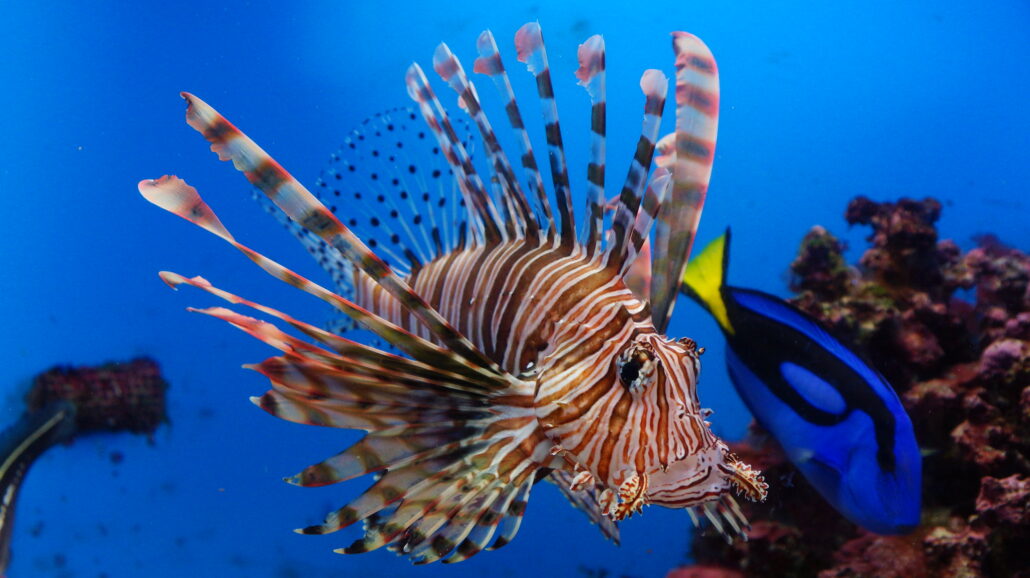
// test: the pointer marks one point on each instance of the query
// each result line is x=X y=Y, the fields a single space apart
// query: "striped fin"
x=490 y=512
x=424 y=506
x=174 y=195
x=406 y=529
x=365 y=360
x=427 y=359
x=398 y=195
x=394 y=189
x=591 y=75
x=336 y=265
x=418 y=427
x=666 y=149
x=489 y=63
x=655 y=194
x=655 y=86
x=450 y=69
x=529 y=42
x=376 y=452
x=636 y=268
x=697 y=124
x=228 y=142
x=476 y=196
x=389 y=489
x=356 y=386
x=376 y=415
x=424 y=436
x=514 y=511
x=433 y=361
x=466 y=513
x=427 y=431
x=472 y=527
x=303 y=207
x=439 y=535
x=586 y=501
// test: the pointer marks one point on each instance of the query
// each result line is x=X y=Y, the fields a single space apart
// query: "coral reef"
x=951 y=332
x=125 y=396
x=67 y=402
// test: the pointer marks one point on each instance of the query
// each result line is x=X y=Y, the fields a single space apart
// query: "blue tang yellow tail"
x=836 y=417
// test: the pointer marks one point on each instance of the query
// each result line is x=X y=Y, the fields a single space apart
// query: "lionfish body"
x=524 y=355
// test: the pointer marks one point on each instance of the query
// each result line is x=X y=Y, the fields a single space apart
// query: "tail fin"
x=705 y=278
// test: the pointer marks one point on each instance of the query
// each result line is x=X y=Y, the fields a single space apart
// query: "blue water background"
x=821 y=101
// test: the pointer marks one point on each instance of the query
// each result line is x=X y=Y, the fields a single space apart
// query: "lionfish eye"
x=637 y=365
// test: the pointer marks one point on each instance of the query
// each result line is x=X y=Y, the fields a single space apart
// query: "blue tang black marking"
x=836 y=417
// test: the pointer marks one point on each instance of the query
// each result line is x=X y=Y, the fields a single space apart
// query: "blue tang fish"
x=837 y=418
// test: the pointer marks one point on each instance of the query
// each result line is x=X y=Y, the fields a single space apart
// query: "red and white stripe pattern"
x=528 y=355
x=468 y=180
x=627 y=221
x=523 y=222
x=697 y=124
x=529 y=44
x=592 y=77
x=489 y=63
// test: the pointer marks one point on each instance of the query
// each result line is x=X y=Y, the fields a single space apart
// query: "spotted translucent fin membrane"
x=697 y=124
x=304 y=208
x=336 y=265
x=389 y=183
x=522 y=223
x=529 y=43
x=488 y=222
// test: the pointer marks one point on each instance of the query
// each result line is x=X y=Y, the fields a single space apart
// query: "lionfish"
x=519 y=352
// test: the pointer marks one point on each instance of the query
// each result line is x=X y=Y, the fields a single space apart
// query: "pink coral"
x=1006 y=361
x=962 y=370
x=880 y=556
x=127 y=396
x=1005 y=502
x=957 y=549
x=704 y=572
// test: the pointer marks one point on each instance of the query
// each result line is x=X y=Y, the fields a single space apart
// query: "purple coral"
x=127 y=396
x=962 y=369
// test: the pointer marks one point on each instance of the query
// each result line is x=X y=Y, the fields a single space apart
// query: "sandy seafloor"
x=819 y=104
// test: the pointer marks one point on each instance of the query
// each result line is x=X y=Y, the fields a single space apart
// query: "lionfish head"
x=637 y=427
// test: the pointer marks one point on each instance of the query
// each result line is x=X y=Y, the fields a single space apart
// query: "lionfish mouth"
x=745 y=479
x=700 y=483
